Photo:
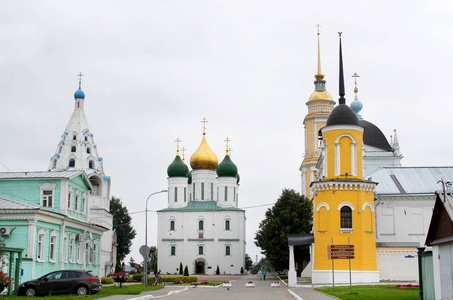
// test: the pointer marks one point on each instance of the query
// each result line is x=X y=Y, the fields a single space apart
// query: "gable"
x=441 y=226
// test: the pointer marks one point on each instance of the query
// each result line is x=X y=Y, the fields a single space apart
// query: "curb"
x=292 y=294
x=162 y=296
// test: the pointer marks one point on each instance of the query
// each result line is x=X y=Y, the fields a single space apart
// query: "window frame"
x=47 y=187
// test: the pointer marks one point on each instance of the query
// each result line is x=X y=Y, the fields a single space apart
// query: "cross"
x=177 y=143
x=183 y=150
x=318 y=27
x=227 y=140
x=204 y=124
x=80 y=77
x=355 y=76
x=229 y=151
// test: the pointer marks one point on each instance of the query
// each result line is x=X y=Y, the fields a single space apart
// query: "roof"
x=6 y=203
x=373 y=136
x=46 y=175
x=201 y=206
x=300 y=239
x=410 y=180
x=342 y=115
x=441 y=225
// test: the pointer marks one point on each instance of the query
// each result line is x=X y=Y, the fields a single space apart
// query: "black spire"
x=342 y=100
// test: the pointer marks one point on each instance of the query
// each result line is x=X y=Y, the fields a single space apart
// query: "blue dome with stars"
x=79 y=93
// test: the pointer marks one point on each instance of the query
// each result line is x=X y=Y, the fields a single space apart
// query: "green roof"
x=227 y=168
x=177 y=168
x=201 y=206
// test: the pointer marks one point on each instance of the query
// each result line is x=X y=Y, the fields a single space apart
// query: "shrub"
x=107 y=280
x=186 y=271
x=242 y=270
x=180 y=268
x=132 y=272
x=137 y=277
x=181 y=278
x=217 y=272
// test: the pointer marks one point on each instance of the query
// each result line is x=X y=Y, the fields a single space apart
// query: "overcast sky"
x=154 y=69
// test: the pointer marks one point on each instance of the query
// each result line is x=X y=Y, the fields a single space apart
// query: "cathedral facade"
x=202 y=227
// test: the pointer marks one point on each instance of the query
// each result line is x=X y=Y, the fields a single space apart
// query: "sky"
x=153 y=69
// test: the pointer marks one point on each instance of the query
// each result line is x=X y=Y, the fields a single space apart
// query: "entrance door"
x=200 y=267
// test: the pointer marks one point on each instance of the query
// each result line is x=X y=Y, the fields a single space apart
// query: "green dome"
x=177 y=168
x=227 y=168
x=239 y=178
x=190 y=177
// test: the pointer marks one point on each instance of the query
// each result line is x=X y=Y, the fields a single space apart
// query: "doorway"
x=199 y=267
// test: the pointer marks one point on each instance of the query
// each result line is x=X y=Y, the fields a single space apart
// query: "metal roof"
x=39 y=174
x=6 y=203
x=410 y=180
x=300 y=239
x=201 y=206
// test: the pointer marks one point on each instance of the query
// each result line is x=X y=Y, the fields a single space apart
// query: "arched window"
x=185 y=194
x=59 y=149
x=200 y=225
x=54 y=163
x=72 y=163
x=73 y=149
x=74 y=137
x=346 y=217
x=172 y=225
x=212 y=191
x=91 y=164
x=86 y=139
x=226 y=193
x=227 y=250
x=202 y=191
x=176 y=194
x=89 y=150
x=227 y=225
x=200 y=250
x=173 y=251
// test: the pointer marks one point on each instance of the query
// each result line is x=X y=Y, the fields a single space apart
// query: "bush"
x=217 y=272
x=137 y=277
x=132 y=272
x=181 y=278
x=107 y=280
x=180 y=268
x=186 y=271
x=242 y=270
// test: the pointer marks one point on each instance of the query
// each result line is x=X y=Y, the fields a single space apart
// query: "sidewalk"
x=149 y=294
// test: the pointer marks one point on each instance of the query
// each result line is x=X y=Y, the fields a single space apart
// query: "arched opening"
x=54 y=165
x=73 y=149
x=97 y=185
x=89 y=150
x=199 y=267
x=346 y=218
x=227 y=225
x=172 y=225
x=227 y=250
x=200 y=225
x=74 y=137
x=200 y=250
x=173 y=251
x=86 y=139
x=72 y=163
x=91 y=164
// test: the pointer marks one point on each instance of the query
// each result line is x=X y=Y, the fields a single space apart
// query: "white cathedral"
x=77 y=150
x=202 y=227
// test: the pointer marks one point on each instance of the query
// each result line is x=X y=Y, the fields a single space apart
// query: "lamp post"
x=145 y=277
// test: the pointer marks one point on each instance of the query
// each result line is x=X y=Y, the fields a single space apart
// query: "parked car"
x=78 y=282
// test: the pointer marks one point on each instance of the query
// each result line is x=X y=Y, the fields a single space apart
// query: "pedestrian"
x=264 y=275
x=260 y=274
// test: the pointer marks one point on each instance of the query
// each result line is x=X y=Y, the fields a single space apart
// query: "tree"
x=248 y=262
x=124 y=231
x=292 y=213
x=242 y=270
x=180 y=268
x=132 y=262
x=217 y=271
x=152 y=259
x=186 y=271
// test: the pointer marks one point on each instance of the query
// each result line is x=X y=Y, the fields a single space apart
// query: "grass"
x=133 y=289
x=216 y=282
x=371 y=292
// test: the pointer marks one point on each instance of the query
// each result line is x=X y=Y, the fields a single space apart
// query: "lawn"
x=371 y=292
x=133 y=289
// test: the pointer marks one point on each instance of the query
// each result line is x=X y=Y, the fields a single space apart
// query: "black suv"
x=78 y=282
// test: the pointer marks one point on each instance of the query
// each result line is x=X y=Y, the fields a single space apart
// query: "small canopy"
x=300 y=239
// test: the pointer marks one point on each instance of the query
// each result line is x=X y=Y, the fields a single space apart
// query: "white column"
x=292 y=274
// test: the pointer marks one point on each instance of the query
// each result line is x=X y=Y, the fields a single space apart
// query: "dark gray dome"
x=342 y=115
x=373 y=136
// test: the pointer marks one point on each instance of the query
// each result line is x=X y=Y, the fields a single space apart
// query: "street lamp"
x=145 y=277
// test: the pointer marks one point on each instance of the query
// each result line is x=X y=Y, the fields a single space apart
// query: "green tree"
x=152 y=259
x=122 y=224
x=242 y=270
x=292 y=213
x=180 y=268
x=217 y=271
x=186 y=271
x=132 y=262
x=248 y=262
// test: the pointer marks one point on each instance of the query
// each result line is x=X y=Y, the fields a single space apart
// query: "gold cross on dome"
x=227 y=141
x=204 y=124
x=355 y=78
x=183 y=150
x=318 y=26
x=80 y=77
x=177 y=141
x=229 y=151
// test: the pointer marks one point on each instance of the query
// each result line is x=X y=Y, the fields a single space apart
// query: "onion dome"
x=177 y=168
x=320 y=95
x=227 y=168
x=373 y=136
x=189 y=175
x=356 y=107
x=79 y=93
x=204 y=158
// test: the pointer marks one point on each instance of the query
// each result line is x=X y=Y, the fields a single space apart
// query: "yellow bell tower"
x=343 y=201
x=320 y=104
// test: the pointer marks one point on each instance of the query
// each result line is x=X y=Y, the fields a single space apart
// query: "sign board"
x=144 y=250
x=340 y=251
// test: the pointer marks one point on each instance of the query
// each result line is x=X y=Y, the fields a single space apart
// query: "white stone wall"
x=232 y=191
x=178 y=195
x=207 y=178
x=397 y=264
x=186 y=239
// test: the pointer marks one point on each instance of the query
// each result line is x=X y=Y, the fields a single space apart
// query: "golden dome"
x=204 y=158
x=320 y=95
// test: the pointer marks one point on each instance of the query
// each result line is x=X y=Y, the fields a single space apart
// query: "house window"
x=91 y=164
x=47 y=198
x=65 y=249
x=226 y=193
x=227 y=250
x=69 y=199
x=346 y=217
x=95 y=246
x=76 y=204
x=72 y=249
x=72 y=163
x=176 y=194
x=200 y=225
x=88 y=150
x=87 y=252
x=173 y=251
x=79 y=250
x=73 y=149
x=52 y=250
x=202 y=191
x=41 y=237
x=227 y=225
x=200 y=250
x=172 y=225
x=83 y=203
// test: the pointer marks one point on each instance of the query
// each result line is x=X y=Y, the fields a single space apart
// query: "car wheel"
x=82 y=290
x=30 y=292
